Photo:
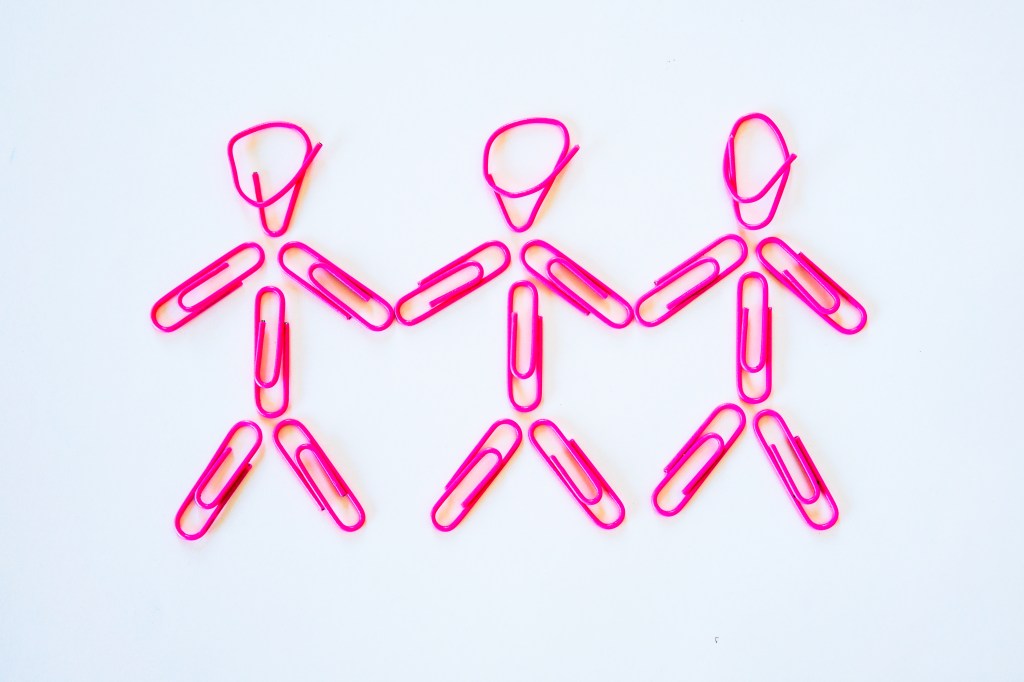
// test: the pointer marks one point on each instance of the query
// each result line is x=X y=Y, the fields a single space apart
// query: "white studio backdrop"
x=115 y=186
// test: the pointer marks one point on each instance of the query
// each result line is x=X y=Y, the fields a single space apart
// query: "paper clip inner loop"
x=780 y=177
x=764 y=339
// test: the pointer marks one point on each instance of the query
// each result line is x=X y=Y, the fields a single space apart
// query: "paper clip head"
x=543 y=187
x=780 y=177
x=293 y=185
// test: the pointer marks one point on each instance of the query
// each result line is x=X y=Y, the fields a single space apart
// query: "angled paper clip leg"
x=809 y=504
x=600 y=502
x=530 y=381
x=307 y=452
x=214 y=504
x=498 y=444
x=276 y=337
x=780 y=177
x=711 y=435
x=759 y=372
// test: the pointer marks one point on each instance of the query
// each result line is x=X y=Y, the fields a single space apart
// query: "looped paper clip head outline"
x=780 y=177
x=819 y=491
x=301 y=469
x=199 y=279
x=311 y=284
x=476 y=455
x=465 y=262
x=294 y=184
x=563 y=290
x=216 y=506
x=697 y=260
x=535 y=366
x=763 y=365
x=701 y=436
x=544 y=186
x=601 y=488
x=833 y=291
x=280 y=373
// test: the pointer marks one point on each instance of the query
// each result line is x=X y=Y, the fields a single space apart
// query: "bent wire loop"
x=464 y=263
x=544 y=186
x=559 y=287
x=294 y=184
x=535 y=366
x=716 y=273
x=601 y=488
x=819 y=491
x=216 y=505
x=280 y=364
x=197 y=280
x=476 y=455
x=313 y=285
x=702 y=436
x=780 y=177
x=835 y=294
x=301 y=469
x=763 y=365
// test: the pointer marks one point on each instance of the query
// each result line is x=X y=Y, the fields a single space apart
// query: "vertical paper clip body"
x=543 y=187
x=477 y=455
x=280 y=364
x=311 y=284
x=558 y=286
x=466 y=263
x=764 y=337
x=602 y=490
x=222 y=264
x=294 y=185
x=716 y=273
x=780 y=177
x=535 y=366
x=216 y=505
x=819 y=491
x=296 y=462
x=701 y=436
x=835 y=294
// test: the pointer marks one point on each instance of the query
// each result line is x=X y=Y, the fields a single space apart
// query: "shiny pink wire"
x=781 y=176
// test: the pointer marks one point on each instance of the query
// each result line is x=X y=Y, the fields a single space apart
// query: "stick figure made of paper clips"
x=800 y=276
x=524 y=357
x=271 y=352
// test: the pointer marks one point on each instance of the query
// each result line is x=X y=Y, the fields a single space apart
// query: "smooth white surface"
x=114 y=186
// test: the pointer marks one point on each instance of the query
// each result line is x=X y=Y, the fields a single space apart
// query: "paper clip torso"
x=481 y=450
x=702 y=437
x=746 y=371
x=534 y=372
x=207 y=274
x=467 y=262
x=544 y=186
x=280 y=363
x=216 y=505
x=780 y=177
x=295 y=460
x=835 y=295
x=818 y=490
x=591 y=504
x=558 y=286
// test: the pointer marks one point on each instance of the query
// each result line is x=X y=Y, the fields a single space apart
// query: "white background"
x=114 y=186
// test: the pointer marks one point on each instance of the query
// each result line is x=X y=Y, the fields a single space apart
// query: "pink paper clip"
x=698 y=261
x=566 y=292
x=602 y=491
x=835 y=294
x=703 y=436
x=466 y=263
x=780 y=177
x=294 y=185
x=535 y=365
x=745 y=370
x=339 y=277
x=281 y=362
x=544 y=186
x=481 y=450
x=819 y=491
x=216 y=505
x=301 y=469
x=204 y=276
